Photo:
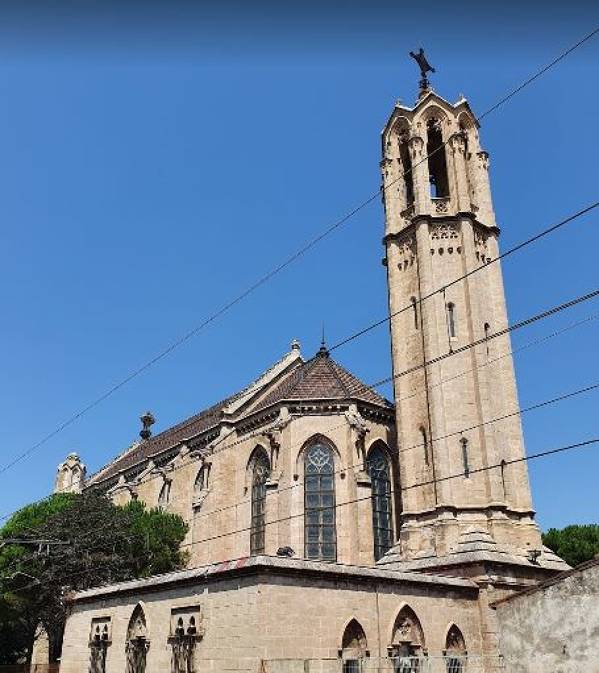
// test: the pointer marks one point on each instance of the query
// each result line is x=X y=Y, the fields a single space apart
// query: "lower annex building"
x=327 y=525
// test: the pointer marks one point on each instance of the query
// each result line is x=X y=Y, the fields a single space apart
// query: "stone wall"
x=555 y=627
x=271 y=609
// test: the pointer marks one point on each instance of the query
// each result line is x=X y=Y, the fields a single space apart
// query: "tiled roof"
x=322 y=378
x=317 y=379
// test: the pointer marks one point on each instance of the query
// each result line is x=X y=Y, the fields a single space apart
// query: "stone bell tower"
x=440 y=225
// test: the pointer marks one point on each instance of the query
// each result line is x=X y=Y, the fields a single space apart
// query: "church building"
x=329 y=528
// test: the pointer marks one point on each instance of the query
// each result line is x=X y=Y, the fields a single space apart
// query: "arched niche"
x=137 y=644
x=455 y=650
x=407 y=639
x=353 y=643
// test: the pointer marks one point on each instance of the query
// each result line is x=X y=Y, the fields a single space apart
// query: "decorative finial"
x=323 y=350
x=425 y=67
x=147 y=421
x=295 y=345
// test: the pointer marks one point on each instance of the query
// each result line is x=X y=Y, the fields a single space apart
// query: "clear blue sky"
x=157 y=159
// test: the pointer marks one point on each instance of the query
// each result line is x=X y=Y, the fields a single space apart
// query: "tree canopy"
x=575 y=544
x=102 y=543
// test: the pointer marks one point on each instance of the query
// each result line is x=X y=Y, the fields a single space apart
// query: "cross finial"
x=425 y=67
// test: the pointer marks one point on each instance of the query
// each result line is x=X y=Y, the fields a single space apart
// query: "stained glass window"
x=320 y=536
x=380 y=477
x=260 y=474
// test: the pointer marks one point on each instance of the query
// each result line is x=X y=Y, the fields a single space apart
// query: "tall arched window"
x=260 y=474
x=320 y=536
x=437 y=162
x=405 y=164
x=379 y=471
x=137 y=643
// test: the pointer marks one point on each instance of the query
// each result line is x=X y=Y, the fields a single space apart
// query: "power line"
x=522 y=323
x=530 y=344
x=270 y=274
x=442 y=289
x=533 y=456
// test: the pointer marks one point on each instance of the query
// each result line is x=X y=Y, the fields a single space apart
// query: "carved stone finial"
x=147 y=421
x=295 y=345
x=425 y=67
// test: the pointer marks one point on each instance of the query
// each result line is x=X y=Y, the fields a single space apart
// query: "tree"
x=575 y=544
x=102 y=543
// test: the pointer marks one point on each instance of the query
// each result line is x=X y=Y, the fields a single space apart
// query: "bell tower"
x=440 y=225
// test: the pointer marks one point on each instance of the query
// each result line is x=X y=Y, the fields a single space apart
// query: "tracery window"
x=137 y=644
x=320 y=536
x=185 y=633
x=379 y=471
x=260 y=475
x=406 y=166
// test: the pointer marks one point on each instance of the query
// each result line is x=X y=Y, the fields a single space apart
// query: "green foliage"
x=575 y=544
x=104 y=544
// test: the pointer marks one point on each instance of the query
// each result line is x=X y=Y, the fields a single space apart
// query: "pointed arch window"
x=137 y=644
x=437 y=161
x=260 y=475
x=379 y=471
x=406 y=166
x=354 y=647
x=320 y=535
x=455 y=651
x=407 y=644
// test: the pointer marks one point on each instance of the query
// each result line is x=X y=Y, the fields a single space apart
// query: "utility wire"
x=270 y=274
x=535 y=342
x=534 y=456
x=530 y=344
x=441 y=290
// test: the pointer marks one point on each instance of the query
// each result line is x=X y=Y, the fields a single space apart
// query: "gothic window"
x=260 y=474
x=424 y=444
x=455 y=651
x=503 y=465
x=165 y=494
x=320 y=536
x=451 y=320
x=406 y=166
x=415 y=311
x=437 y=162
x=407 y=643
x=185 y=632
x=98 y=644
x=137 y=644
x=354 y=647
x=464 y=443
x=380 y=476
